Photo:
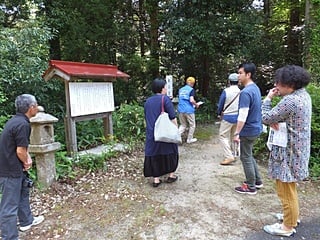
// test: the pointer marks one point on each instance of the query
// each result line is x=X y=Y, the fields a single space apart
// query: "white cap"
x=233 y=77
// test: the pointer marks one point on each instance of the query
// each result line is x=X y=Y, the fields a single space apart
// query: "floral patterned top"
x=290 y=164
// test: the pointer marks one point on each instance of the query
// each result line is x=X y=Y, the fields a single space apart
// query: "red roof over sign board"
x=70 y=70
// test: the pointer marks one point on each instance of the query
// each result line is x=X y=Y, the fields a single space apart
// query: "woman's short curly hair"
x=292 y=76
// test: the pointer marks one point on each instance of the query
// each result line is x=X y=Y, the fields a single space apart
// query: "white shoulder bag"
x=164 y=129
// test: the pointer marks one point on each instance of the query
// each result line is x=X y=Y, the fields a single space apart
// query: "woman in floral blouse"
x=288 y=163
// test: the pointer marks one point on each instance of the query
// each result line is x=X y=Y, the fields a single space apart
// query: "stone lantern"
x=43 y=147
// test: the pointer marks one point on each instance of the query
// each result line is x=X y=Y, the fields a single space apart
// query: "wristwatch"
x=236 y=134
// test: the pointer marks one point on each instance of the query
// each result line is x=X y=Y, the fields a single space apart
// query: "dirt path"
x=201 y=205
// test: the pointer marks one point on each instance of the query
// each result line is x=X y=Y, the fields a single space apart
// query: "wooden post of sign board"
x=71 y=135
x=107 y=125
x=70 y=130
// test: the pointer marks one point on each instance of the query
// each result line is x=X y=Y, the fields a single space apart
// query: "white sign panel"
x=90 y=97
x=169 y=81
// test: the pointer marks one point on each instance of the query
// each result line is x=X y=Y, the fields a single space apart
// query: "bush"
x=128 y=123
x=206 y=113
x=90 y=134
x=314 y=165
x=68 y=168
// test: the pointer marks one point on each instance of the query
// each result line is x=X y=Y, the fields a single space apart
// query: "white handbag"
x=164 y=129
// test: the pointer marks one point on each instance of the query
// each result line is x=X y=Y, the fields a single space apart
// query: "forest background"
x=206 y=39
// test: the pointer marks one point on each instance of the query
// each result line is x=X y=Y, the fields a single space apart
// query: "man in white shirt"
x=228 y=111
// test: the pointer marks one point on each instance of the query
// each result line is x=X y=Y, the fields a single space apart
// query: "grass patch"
x=205 y=132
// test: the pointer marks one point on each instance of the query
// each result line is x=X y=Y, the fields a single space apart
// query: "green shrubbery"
x=68 y=168
x=128 y=128
x=314 y=90
x=128 y=123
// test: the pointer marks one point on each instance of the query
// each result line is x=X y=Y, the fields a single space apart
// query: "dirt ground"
x=202 y=205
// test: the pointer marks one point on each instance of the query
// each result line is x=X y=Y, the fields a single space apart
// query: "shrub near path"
x=202 y=205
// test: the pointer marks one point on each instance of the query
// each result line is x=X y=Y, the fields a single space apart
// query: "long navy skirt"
x=156 y=166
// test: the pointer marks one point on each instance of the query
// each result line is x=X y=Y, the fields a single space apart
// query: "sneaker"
x=279 y=216
x=259 y=184
x=36 y=221
x=245 y=189
x=227 y=161
x=192 y=140
x=277 y=229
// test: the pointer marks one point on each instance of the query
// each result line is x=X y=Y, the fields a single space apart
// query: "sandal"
x=171 y=179
x=154 y=184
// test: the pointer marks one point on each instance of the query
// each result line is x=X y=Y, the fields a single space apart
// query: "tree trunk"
x=294 y=40
x=204 y=86
x=142 y=24
x=307 y=22
x=154 y=43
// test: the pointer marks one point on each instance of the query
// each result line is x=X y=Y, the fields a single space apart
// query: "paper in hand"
x=278 y=137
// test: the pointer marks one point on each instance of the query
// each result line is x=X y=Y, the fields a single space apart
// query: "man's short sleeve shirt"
x=16 y=133
x=250 y=97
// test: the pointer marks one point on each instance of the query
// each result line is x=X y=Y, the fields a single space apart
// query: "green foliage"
x=315 y=167
x=89 y=134
x=260 y=149
x=313 y=90
x=67 y=168
x=128 y=123
x=94 y=162
x=137 y=87
x=23 y=56
x=3 y=119
x=208 y=39
x=14 y=12
x=91 y=31
x=206 y=112
x=314 y=34
x=64 y=166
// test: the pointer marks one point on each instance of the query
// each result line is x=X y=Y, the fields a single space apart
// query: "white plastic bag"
x=165 y=130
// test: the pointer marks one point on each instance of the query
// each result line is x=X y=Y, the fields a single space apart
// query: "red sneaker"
x=245 y=189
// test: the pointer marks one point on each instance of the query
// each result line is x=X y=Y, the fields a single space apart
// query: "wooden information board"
x=90 y=97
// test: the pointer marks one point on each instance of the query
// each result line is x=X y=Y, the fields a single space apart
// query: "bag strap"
x=162 y=104
x=231 y=101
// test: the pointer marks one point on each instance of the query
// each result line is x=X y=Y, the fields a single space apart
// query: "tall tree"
x=294 y=33
x=153 y=12
x=313 y=34
x=209 y=38
x=54 y=22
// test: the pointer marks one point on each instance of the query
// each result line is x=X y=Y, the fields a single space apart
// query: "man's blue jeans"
x=249 y=164
x=14 y=205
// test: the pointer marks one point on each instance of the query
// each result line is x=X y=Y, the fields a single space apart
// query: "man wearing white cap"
x=186 y=109
x=228 y=112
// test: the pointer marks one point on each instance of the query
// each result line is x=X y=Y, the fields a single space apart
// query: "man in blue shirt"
x=249 y=127
x=228 y=107
x=186 y=109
